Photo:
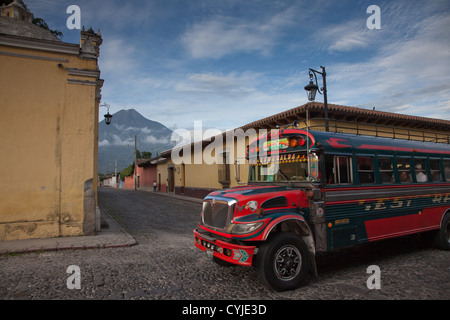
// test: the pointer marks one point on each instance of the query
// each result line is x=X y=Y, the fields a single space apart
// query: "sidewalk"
x=111 y=236
x=171 y=195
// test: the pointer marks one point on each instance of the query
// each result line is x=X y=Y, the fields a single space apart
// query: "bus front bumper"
x=232 y=253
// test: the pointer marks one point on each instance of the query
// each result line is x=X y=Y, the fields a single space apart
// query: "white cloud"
x=222 y=36
x=143 y=130
x=404 y=74
x=346 y=37
x=103 y=143
x=117 y=141
x=117 y=57
x=232 y=84
x=153 y=139
x=117 y=15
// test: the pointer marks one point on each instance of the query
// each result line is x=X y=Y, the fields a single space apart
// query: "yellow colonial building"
x=226 y=166
x=49 y=103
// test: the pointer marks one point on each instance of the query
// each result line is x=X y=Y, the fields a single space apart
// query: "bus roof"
x=332 y=142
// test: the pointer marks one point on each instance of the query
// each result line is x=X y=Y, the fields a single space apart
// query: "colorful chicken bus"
x=312 y=191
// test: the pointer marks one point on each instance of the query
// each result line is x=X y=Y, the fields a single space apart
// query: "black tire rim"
x=287 y=263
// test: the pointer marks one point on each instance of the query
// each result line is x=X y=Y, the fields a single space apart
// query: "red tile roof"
x=338 y=112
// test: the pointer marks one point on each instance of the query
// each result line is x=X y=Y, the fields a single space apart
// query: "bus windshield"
x=277 y=168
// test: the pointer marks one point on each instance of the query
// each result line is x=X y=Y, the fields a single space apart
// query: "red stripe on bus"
x=364 y=201
x=428 y=219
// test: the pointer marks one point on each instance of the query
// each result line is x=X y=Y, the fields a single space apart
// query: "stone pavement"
x=171 y=195
x=166 y=265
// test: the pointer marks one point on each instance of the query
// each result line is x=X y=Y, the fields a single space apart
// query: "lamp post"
x=312 y=88
x=108 y=117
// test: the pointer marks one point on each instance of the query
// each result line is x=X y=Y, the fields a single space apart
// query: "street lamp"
x=108 y=117
x=312 y=88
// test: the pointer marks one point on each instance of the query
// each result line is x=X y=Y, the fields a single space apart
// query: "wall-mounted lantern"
x=108 y=117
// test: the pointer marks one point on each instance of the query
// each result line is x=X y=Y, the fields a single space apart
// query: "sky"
x=230 y=62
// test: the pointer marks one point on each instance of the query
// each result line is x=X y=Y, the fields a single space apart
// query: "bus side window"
x=404 y=170
x=419 y=169
x=338 y=169
x=329 y=169
x=365 y=169
x=446 y=170
x=386 y=170
x=344 y=170
x=435 y=170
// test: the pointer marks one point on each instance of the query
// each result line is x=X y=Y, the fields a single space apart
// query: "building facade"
x=146 y=175
x=16 y=10
x=50 y=95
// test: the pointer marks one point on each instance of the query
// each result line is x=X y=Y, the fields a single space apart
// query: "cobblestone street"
x=166 y=265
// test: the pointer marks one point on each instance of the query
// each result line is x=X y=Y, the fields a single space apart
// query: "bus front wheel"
x=283 y=262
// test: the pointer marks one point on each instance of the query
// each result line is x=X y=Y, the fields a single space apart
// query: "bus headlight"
x=243 y=228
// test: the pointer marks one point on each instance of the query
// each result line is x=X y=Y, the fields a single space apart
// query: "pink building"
x=146 y=175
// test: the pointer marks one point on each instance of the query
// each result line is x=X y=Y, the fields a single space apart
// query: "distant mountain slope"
x=116 y=141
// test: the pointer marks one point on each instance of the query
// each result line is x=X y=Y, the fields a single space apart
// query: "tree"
x=41 y=23
x=128 y=171
x=146 y=155
x=143 y=155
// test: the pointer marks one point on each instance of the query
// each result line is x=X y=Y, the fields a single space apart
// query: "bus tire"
x=442 y=237
x=283 y=262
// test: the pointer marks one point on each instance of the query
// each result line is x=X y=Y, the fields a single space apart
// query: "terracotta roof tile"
x=334 y=110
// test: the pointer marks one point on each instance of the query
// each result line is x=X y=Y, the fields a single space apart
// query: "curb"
x=114 y=236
